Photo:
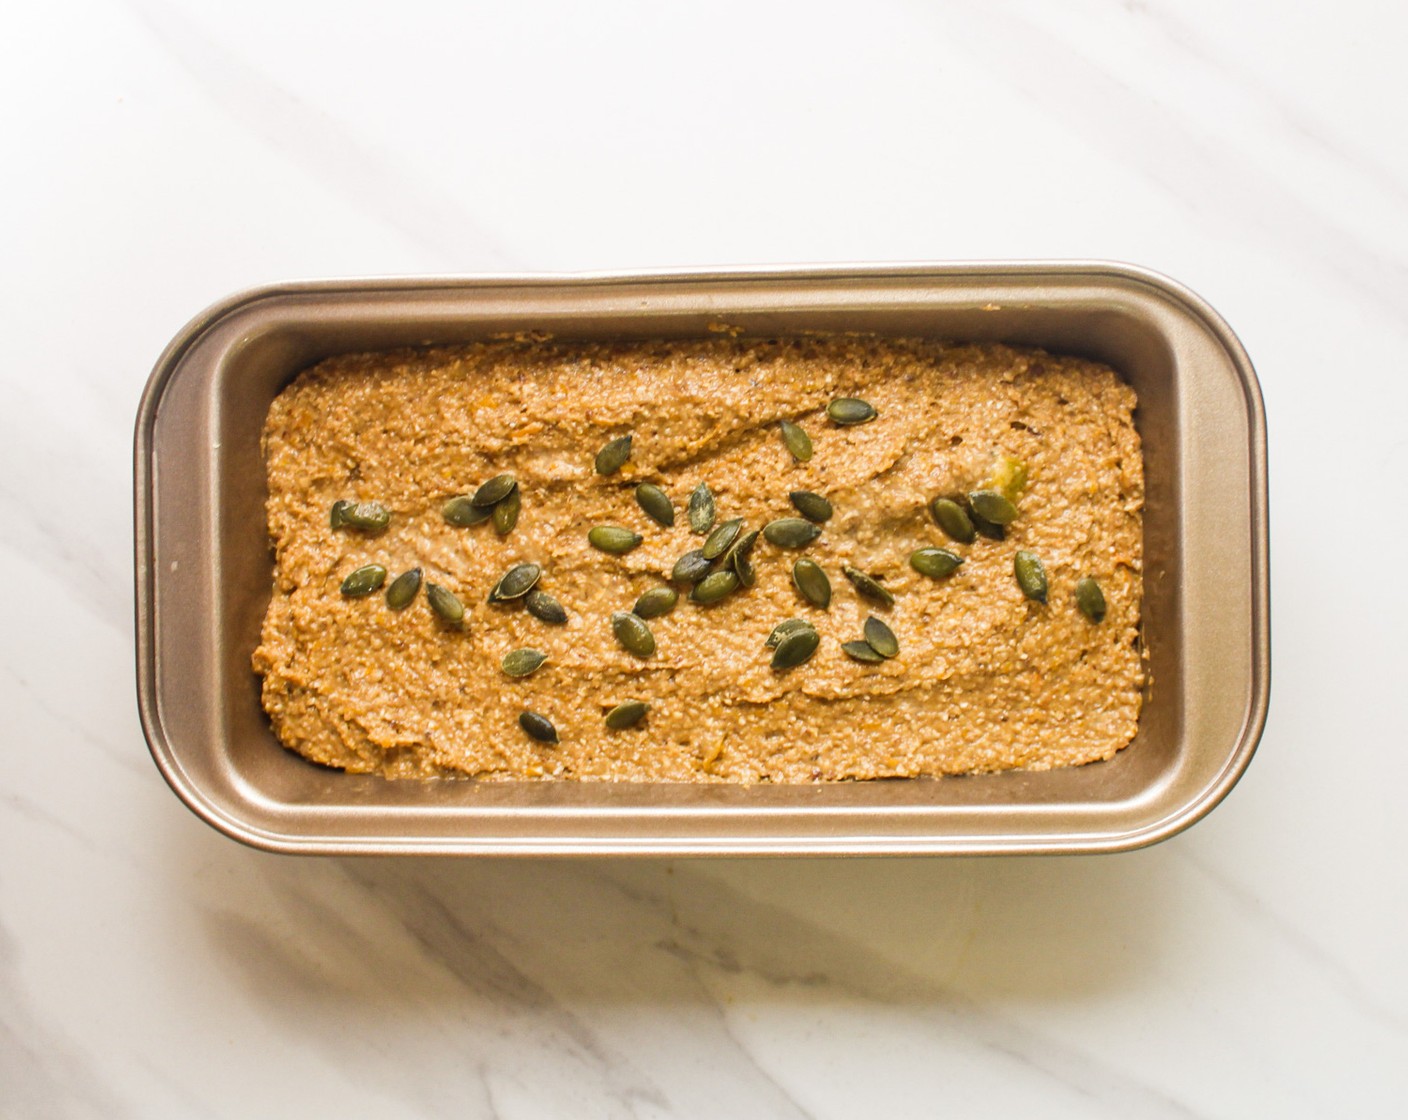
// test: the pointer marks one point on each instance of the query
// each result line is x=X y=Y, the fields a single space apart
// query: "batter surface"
x=986 y=678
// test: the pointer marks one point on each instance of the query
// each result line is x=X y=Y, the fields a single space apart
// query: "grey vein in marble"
x=1368 y=1002
x=324 y=148
x=727 y=939
x=43 y=1071
x=1204 y=173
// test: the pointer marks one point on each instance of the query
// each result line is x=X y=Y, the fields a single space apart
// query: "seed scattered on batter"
x=613 y=456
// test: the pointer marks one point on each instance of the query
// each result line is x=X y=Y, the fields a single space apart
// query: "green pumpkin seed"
x=934 y=562
x=691 y=567
x=715 y=586
x=368 y=517
x=506 y=512
x=461 y=510
x=812 y=583
x=523 y=662
x=364 y=581
x=444 y=603
x=787 y=626
x=811 y=506
x=701 y=509
x=797 y=442
x=656 y=503
x=741 y=546
x=1031 y=575
x=721 y=538
x=851 y=410
x=738 y=557
x=614 y=539
x=633 y=634
x=1090 y=599
x=403 y=590
x=338 y=512
x=626 y=715
x=656 y=602
x=861 y=651
x=992 y=506
x=791 y=532
x=986 y=528
x=795 y=648
x=868 y=585
x=880 y=637
x=953 y=519
x=1008 y=477
x=495 y=490
x=515 y=583
x=537 y=726
x=545 y=608
x=613 y=456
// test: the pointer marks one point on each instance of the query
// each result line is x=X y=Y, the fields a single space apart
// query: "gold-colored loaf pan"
x=203 y=566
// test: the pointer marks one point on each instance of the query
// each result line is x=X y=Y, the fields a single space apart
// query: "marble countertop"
x=159 y=155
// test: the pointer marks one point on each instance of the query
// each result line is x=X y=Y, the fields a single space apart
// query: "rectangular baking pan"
x=203 y=566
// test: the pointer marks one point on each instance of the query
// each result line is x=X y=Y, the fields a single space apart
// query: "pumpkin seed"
x=506 y=512
x=861 y=651
x=701 y=509
x=867 y=585
x=545 y=608
x=656 y=503
x=738 y=555
x=633 y=634
x=797 y=442
x=791 y=532
x=1031 y=575
x=934 y=562
x=403 y=590
x=715 y=586
x=691 y=567
x=721 y=538
x=461 y=510
x=495 y=490
x=1090 y=599
x=614 y=539
x=613 y=456
x=656 y=602
x=444 y=602
x=369 y=517
x=988 y=529
x=364 y=581
x=953 y=519
x=795 y=648
x=338 y=512
x=811 y=506
x=515 y=583
x=741 y=546
x=537 y=726
x=992 y=506
x=787 y=626
x=812 y=583
x=851 y=410
x=880 y=637
x=626 y=715
x=523 y=662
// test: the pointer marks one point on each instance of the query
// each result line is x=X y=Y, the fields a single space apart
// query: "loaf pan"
x=203 y=566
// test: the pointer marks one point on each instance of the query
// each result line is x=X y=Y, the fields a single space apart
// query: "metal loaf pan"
x=203 y=566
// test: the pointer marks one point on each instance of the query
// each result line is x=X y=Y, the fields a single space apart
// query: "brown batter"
x=985 y=679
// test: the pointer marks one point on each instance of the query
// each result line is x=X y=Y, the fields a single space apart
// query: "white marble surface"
x=157 y=155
